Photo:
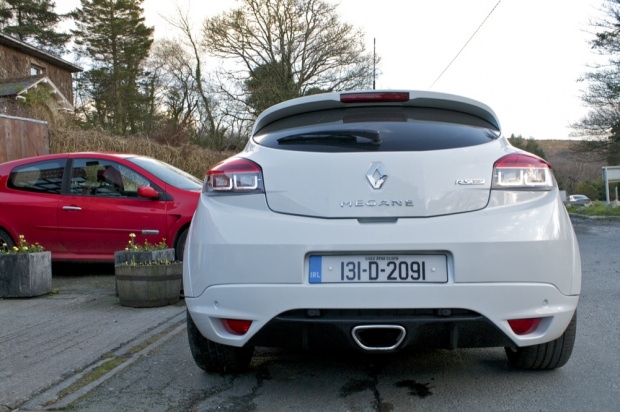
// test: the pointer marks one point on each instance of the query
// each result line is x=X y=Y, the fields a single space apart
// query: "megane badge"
x=376 y=175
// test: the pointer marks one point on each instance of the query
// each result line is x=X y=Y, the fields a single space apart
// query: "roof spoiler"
x=326 y=101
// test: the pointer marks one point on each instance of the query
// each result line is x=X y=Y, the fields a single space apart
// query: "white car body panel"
x=265 y=247
x=332 y=188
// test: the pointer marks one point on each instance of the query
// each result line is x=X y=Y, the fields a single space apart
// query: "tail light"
x=522 y=171
x=234 y=175
x=524 y=326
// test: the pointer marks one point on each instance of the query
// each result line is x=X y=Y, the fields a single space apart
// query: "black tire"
x=6 y=239
x=548 y=355
x=180 y=245
x=215 y=357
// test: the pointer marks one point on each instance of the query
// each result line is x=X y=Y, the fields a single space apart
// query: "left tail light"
x=235 y=175
x=520 y=171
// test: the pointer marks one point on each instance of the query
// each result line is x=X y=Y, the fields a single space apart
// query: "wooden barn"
x=27 y=72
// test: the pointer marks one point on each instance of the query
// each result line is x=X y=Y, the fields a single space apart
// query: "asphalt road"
x=53 y=346
x=163 y=376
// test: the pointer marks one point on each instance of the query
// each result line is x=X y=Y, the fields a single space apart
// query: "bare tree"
x=192 y=92
x=602 y=124
x=177 y=84
x=288 y=48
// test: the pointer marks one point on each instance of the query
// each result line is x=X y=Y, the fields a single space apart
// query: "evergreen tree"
x=529 y=145
x=112 y=34
x=270 y=84
x=34 y=22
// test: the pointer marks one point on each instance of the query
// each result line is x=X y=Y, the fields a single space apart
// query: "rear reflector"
x=237 y=326
x=374 y=97
x=524 y=326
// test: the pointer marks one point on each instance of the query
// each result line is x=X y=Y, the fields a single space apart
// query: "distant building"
x=24 y=67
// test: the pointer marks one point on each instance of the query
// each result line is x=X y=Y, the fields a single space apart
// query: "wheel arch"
x=6 y=237
x=180 y=240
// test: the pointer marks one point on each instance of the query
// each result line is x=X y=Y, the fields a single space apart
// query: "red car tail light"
x=524 y=326
x=374 y=97
x=522 y=171
x=237 y=326
x=235 y=175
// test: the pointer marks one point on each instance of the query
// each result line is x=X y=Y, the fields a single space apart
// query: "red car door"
x=103 y=207
x=31 y=200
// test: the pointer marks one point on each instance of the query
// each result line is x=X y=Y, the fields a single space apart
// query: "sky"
x=524 y=59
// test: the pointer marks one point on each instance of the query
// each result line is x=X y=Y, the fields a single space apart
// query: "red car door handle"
x=71 y=208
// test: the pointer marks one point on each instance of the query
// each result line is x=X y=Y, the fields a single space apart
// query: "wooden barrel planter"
x=145 y=286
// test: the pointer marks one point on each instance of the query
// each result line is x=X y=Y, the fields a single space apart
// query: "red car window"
x=43 y=177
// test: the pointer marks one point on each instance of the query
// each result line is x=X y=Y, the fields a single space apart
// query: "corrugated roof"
x=16 y=87
x=12 y=87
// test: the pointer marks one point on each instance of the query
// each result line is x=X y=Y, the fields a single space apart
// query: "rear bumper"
x=446 y=315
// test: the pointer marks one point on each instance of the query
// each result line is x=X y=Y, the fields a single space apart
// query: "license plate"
x=378 y=268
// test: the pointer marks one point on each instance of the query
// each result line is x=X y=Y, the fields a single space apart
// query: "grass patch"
x=113 y=361
x=597 y=209
x=93 y=376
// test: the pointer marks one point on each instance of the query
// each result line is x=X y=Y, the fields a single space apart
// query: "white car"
x=579 y=200
x=380 y=220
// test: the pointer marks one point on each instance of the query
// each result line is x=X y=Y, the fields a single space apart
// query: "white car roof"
x=416 y=99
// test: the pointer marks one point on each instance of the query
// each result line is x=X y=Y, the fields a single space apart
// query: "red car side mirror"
x=148 y=192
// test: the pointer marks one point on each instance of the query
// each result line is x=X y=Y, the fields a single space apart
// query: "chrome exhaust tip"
x=378 y=337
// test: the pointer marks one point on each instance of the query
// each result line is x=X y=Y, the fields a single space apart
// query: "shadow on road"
x=81 y=269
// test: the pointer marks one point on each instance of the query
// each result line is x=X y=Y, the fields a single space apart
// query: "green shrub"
x=597 y=209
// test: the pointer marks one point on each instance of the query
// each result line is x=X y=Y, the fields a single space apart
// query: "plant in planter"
x=144 y=253
x=147 y=274
x=25 y=269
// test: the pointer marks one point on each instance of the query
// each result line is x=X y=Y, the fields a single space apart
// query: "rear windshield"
x=384 y=129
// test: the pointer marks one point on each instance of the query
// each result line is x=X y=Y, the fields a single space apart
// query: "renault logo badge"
x=376 y=175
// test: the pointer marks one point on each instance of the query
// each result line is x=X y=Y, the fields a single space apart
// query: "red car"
x=83 y=206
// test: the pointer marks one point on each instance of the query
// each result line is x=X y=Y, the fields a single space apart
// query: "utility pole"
x=374 y=61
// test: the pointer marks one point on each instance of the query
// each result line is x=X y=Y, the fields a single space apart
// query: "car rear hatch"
x=377 y=161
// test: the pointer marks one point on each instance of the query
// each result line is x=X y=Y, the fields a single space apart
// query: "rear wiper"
x=334 y=137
